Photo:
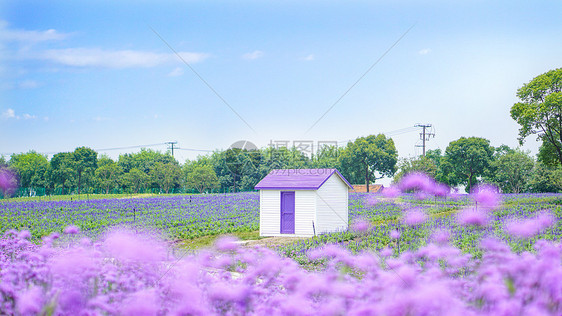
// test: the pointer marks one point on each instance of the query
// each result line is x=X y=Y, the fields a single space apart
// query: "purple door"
x=287 y=212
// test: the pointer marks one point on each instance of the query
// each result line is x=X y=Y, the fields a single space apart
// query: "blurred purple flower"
x=417 y=181
x=360 y=225
x=394 y=234
x=472 y=217
x=71 y=230
x=126 y=245
x=226 y=243
x=528 y=228
x=486 y=196
x=441 y=190
x=390 y=192
x=30 y=301
x=24 y=234
x=414 y=217
x=441 y=236
x=371 y=200
x=8 y=181
x=142 y=303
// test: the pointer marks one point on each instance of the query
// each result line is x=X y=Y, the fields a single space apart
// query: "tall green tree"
x=539 y=111
x=545 y=179
x=512 y=171
x=108 y=174
x=202 y=178
x=61 y=172
x=31 y=168
x=166 y=175
x=327 y=157
x=371 y=158
x=144 y=160
x=466 y=159
x=85 y=164
x=135 y=180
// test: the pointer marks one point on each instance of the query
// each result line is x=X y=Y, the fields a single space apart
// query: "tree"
x=144 y=160
x=135 y=180
x=61 y=172
x=540 y=111
x=202 y=178
x=466 y=159
x=107 y=174
x=166 y=175
x=31 y=168
x=327 y=157
x=371 y=158
x=420 y=164
x=512 y=171
x=545 y=179
x=85 y=164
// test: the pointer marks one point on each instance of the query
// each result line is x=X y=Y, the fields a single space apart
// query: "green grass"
x=207 y=241
x=79 y=197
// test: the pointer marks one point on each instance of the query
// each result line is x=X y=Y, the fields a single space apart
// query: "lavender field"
x=179 y=217
x=406 y=254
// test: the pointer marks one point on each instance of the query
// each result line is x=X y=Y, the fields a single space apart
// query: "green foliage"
x=202 y=178
x=420 y=164
x=135 y=180
x=466 y=159
x=85 y=163
x=108 y=174
x=31 y=168
x=368 y=159
x=539 y=112
x=144 y=160
x=548 y=155
x=545 y=179
x=62 y=173
x=166 y=175
x=512 y=170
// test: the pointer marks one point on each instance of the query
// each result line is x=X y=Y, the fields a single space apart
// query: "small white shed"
x=303 y=202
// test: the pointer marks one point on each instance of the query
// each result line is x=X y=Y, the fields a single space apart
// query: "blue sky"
x=93 y=73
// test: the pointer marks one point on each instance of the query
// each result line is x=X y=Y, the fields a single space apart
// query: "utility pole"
x=171 y=146
x=424 y=136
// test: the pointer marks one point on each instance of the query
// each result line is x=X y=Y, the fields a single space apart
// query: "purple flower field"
x=179 y=217
x=421 y=253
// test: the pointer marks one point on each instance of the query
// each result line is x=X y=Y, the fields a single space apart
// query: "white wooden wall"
x=332 y=206
x=270 y=212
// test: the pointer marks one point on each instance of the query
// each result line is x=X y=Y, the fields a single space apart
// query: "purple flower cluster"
x=128 y=273
x=8 y=181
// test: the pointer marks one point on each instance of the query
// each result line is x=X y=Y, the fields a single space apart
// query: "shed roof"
x=297 y=179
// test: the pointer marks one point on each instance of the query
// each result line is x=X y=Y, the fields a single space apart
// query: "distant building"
x=303 y=202
x=373 y=188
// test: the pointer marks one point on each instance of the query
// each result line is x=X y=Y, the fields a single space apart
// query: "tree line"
x=466 y=161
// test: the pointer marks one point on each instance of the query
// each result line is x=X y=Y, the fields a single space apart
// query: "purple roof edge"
x=334 y=170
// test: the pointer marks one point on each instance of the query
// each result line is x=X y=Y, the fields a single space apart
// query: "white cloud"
x=424 y=51
x=308 y=58
x=178 y=71
x=8 y=114
x=11 y=114
x=7 y=34
x=253 y=55
x=96 y=57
